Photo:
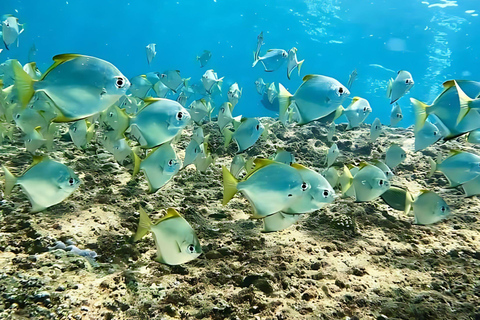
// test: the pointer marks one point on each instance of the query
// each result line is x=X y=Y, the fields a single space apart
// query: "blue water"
x=435 y=41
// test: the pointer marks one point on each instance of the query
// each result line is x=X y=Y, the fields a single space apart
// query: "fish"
x=46 y=182
x=394 y=156
x=396 y=115
x=247 y=133
x=272 y=92
x=279 y=221
x=182 y=98
x=121 y=150
x=388 y=172
x=234 y=94
x=199 y=136
x=351 y=79
x=331 y=131
x=283 y=156
x=331 y=175
x=459 y=167
x=316 y=192
x=79 y=86
x=357 y=112
x=130 y=104
x=261 y=86
x=225 y=117
x=140 y=86
x=160 y=165
x=200 y=109
x=429 y=208
x=173 y=80
x=32 y=70
x=259 y=46
x=375 y=130
x=192 y=152
x=317 y=97
x=398 y=199
x=81 y=132
x=400 y=86
x=368 y=183
x=204 y=58
x=28 y=118
x=175 y=240
x=158 y=122
x=272 y=60
x=204 y=160
x=466 y=103
x=210 y=80
x=11 y=29
x=271 y=187
x=34 y=140
x=332 y=155
x=425 y=137
x=293 y=62
x=237 y=165
x=116 y=120
x=472 y=187
x=446 y=107
x=474 y=136
x=161 y=90
x=151 y=52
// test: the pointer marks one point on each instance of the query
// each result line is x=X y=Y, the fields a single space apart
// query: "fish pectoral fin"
x=178 y=246
x=367 y=184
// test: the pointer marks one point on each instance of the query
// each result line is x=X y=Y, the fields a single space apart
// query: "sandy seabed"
x=381 y=267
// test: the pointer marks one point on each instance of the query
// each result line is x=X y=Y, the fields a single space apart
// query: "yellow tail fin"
x=421 y=114
x=227 y=134
x=229 y=185
x=10 y=181
x=299 y=66
x=465 y=102
x=144 y=225
x=284 y=100
x=23 y=84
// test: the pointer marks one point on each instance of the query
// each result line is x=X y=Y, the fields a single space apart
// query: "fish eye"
x=120 y=82
x=110 y=114
x=179 y=115
x=222 y=110
x=17 y=116
x=170 y=162
x=443 y=209
x=399 y=115
x=191 y=248
x=407 y=81
x=341 y=91
x=284 y=54
x=258 y=127
x=365 y=109
x=325 y=193
x=435 y=133
x=304 y=186
x=163 y=75
x=381 y=182
x=71 y=181
x=74 y=129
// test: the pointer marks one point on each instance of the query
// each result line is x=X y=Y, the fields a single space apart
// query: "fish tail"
x=299 y=66
x=421 y=115
x=433 y=167
x=228 y=135
x=255 y=59
x=284 y=101
x=339 y=112
x=346 y=180
x=144 y=225
x=10 y=181
x=229 y=185
x=23 y=84
x=136 y=163
x=219 y=84
x=389 y=88
x=465 y=102
x=408 y=202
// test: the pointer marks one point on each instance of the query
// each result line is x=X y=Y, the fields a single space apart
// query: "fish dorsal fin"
x=259 y=163
x=355 y=99
x=38 y=159
x=298 y=166
x=362 y=165
x=454 y=152
x=423 y=191
x=309 y=76
x=150 y=100
x=230 y=106
x=171 y=213
x=58 y=60
x=448 y=84
x=38 y=128
x=143 y=76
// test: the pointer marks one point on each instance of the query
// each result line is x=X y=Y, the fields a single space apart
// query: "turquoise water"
x=435 y=41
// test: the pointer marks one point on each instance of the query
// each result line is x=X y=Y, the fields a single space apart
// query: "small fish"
x=46 y=182
x=425 y=137
x=234 y=94
x=272 y=92
x=368 y=183
x=161 y=89
x=394 y=156
x=357 y=112
x=284 y=156
x=204 y=58
x=32 y=70
x=474 y=136
x=317 y=97
x=237 y=165
x=261 y=86
x=130 y=104
x=182 y=99
x=173 y=80
x=158 y=122
x=160 y=165
x=151 y=53
x=271 y=187
x=225 y=117
x=472 y=187
x=140 y=86
x=81 y=132
x=259 y=45
x=459 y=167
x=400 y=86
x=34 y=140
x=331 y=175
x=272 y=60
x=351 y=79
x=204 y=160
x=199 y=136
x=429 y=208
x=79 y=86
x=210 y=80
x=121 y=150
x=247 y=133
x=192 y=152
x=331 y=131
x=115 y=119
x=388 y=172
x=11 y=29
x=175 y=240
x=279 y=221
x=375 y=130
x=396 y=115
x=332 y=155
x=200 y=109
x=293 y=62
